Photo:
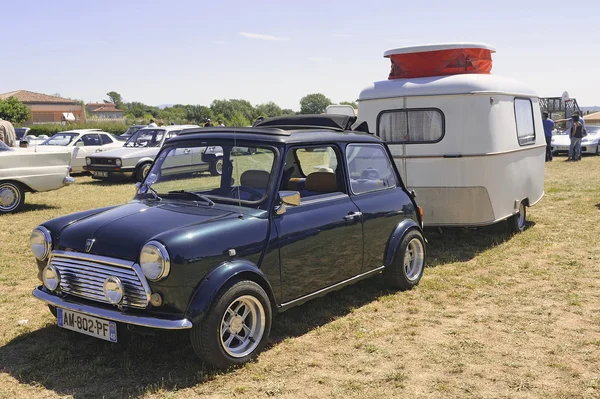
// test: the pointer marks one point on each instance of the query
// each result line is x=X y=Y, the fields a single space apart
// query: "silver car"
x=589 y=144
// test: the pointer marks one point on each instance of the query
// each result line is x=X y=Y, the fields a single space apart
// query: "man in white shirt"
x=152 y=123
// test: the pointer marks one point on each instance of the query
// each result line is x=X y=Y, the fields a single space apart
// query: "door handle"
x=352 y=215
x=186 y=151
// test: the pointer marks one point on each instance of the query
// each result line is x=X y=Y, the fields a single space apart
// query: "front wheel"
x=406 y=269
x=142 y=171
x=236 y=327
x=216 y=168
x=518 y=221
x=12 y=197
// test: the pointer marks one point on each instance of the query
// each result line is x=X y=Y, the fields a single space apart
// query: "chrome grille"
x=84 y=275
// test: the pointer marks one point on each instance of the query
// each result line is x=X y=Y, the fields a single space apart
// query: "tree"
x=314 y=103
x=228 y=108
x=268 y=110
x=14 y=110
x=197 y=113
x=351 y=103
x=238 y=120
x=115 y=98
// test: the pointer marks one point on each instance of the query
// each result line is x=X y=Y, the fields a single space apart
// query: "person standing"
x=582 y=121
x=220 y=122
x=548 y=127
x=208 y=123
x=152 y=123
x=7 y=133
x=576 y=134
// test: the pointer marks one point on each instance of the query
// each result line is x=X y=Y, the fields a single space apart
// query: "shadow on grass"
x=108 y=183
x=70 y=363
x=463 y=244
x=27 y=207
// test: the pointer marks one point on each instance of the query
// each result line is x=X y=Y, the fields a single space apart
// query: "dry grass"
x=495 y=316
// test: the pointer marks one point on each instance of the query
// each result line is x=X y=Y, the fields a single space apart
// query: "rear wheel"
x=216 y=167
x=598 y=148
x=236 y=327
x=12 y=197
x=518 y=221
x=406 y=269
x=142 y=171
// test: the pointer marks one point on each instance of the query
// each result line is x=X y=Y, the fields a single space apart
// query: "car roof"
x=168 y=127
x=79 y=131
x=290 y=129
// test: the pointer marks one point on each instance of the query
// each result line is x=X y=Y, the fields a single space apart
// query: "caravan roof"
x=445 y=85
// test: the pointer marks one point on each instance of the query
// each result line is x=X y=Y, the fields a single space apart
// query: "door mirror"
x=79 y=144
x=287 y=198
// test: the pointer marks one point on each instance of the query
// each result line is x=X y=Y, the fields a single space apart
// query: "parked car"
x=131 y=131
x=218 y=256
x=24 y=171
x=21 y=133
x=80 y=143
x=135 y=158
x=589 y=144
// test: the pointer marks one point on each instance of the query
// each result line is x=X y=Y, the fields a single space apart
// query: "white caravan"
x=471 y=145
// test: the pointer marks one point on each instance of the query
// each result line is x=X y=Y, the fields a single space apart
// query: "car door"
x=321 y=240
x=91 y=142
x=376 y=191
x=179 y=160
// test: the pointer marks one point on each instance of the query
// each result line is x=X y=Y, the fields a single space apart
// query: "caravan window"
x=524 y=119
x=411 y=126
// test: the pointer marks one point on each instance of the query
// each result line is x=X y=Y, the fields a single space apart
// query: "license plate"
x=100 y=174
x=99 y=328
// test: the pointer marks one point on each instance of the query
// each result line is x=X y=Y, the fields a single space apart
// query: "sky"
x=192 y=52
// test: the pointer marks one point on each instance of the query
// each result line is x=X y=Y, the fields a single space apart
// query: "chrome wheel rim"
x=521 y=220
x=145 y=171
x=242 y=326
x=219 y=166
x=414 y=258
x=10 y=196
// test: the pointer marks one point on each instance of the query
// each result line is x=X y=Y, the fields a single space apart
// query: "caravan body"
x=471 y=145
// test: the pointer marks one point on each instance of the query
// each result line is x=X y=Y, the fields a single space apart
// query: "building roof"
x=30 y=97
x=594 y=116
x=103 y=107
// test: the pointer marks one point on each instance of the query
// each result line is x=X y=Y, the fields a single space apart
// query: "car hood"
x=121 y=232
x=128 y=152
x=561 y=139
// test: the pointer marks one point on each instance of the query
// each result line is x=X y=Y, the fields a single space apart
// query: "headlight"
x=51 y=277
x=118 y=162
x=88 y=161
x=40 y=242
x=154 y=261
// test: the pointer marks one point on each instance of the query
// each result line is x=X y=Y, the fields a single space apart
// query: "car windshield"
x=20 y=132
x=4 y=147
x=592 y=129
x=63 y=139
x=146 y=138
x=192 y=173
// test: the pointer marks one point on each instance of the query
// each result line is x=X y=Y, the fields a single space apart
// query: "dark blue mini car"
x=316 y=207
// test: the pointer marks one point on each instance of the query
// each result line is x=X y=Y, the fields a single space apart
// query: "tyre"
x=216 y=167
x=142 y=171
x=406 y=269
x=518 y=221
x=12 y=197
x=597 y=149
x=236 y=327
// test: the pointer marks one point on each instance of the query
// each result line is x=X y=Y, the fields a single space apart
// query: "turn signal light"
x=421 y=214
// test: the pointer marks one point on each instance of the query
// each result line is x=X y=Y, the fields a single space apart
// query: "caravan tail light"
x=421 y=215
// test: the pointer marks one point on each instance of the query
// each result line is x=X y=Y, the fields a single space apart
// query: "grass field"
x=495 y=316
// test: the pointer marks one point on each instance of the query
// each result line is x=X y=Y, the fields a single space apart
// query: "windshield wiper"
x=197 y=195
x=152 y=191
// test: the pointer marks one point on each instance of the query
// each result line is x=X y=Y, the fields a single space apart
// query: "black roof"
x=317 y=121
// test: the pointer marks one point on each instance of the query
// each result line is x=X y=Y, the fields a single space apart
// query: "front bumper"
x=114 y=315
x=68 y=180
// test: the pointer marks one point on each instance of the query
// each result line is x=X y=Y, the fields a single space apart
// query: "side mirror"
x=79 y=144
x=287 y=198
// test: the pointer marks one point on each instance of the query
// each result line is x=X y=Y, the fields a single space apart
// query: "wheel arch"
x=206 y=292
x=143 y=161
x=396 y=238
x=25 y=186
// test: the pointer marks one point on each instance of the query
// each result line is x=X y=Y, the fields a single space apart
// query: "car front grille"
x=83 y=275
x=103 y=161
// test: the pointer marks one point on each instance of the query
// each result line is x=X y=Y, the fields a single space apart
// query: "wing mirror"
x=287 y=198
x=79 y=144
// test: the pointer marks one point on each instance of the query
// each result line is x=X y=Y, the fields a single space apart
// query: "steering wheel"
x=251 y=191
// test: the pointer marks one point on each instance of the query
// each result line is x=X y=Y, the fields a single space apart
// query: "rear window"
x=524 y=120
x=411 y=126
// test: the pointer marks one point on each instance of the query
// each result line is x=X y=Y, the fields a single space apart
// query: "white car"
x=138 y=153
x=80 y=144
x=590 y=144
x=23 y=170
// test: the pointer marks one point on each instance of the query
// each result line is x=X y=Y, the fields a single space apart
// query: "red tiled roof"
x=103 y=107
x=29 y=97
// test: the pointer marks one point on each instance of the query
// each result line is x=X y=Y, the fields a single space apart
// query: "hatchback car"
x=220 y=255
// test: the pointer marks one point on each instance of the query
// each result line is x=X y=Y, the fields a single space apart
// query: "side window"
x=411 y=126
x=90 y=139
x=105 y=139
x=369 y=168
x=524 y=120
x=313 y=171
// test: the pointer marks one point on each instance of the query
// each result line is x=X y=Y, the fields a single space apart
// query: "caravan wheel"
x=518 y=221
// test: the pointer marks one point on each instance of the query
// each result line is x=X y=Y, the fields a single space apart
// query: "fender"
x=212 y=283
x=143 y=160
x=396 y=237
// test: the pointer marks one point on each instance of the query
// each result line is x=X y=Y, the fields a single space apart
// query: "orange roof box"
x=440 y=60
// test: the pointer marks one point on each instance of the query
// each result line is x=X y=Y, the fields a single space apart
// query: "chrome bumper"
x=114 y=315
x=68 y=180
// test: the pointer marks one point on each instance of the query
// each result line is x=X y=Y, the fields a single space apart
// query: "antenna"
x=237 y=174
